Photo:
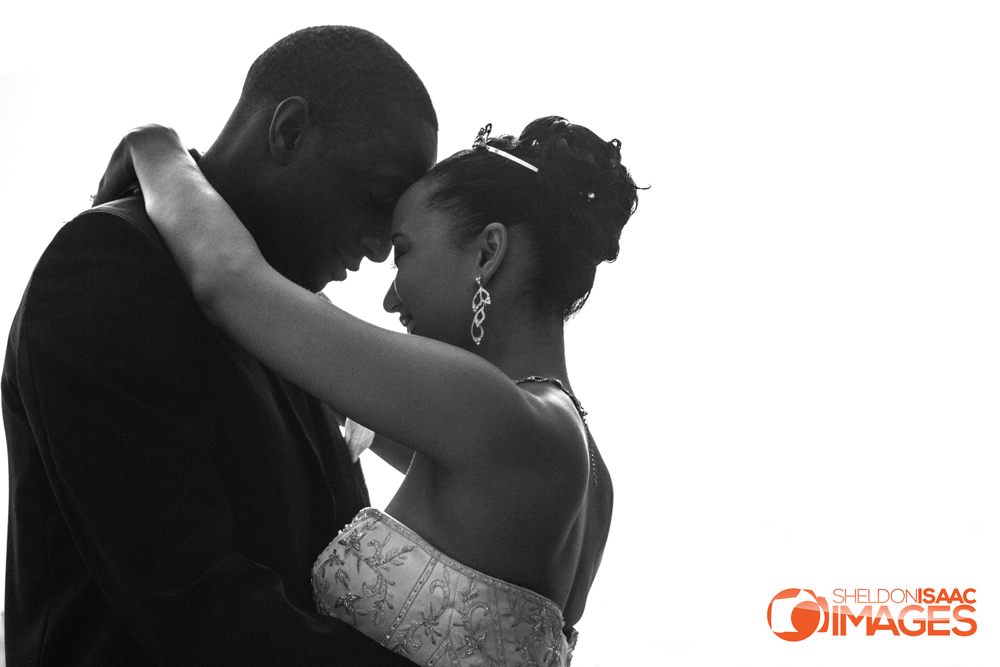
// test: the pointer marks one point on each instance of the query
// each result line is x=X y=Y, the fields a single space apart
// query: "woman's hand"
x=119 y=178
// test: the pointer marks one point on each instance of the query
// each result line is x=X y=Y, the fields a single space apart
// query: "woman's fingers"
x=119 y=178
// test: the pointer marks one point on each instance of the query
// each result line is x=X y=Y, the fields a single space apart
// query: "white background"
x=792 y=370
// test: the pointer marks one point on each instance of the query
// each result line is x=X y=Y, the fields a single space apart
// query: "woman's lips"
x=407 y=322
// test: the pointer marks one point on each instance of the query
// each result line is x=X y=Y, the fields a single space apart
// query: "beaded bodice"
x=393 y=586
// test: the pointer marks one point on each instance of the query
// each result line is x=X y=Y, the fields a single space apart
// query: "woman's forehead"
x=412 y=208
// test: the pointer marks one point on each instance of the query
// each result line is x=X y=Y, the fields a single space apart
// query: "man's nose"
x=376 y=250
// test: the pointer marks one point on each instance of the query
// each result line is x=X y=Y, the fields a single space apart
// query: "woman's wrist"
x=149 y=137
x=151 y=147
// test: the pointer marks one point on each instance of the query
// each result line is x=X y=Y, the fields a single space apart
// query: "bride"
x=488 y=550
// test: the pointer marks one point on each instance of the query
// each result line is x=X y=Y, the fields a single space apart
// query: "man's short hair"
x=349 y=76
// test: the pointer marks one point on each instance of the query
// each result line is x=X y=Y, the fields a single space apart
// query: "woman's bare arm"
x=433 y=397
x=397 y=455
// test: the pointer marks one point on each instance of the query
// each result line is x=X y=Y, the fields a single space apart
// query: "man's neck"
x=212 y=165
x=229 y=174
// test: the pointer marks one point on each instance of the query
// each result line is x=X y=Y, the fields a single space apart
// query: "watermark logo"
x=795 y=614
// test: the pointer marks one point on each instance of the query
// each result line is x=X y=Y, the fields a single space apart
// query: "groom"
x=169 y=493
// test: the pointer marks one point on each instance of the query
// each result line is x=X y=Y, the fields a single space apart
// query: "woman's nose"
x=391 y=302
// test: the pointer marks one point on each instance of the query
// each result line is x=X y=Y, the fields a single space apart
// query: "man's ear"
x=289 y=123
x=491 y=246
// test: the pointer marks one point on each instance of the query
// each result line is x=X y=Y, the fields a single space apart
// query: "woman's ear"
x=289 y=123
x=491 y=247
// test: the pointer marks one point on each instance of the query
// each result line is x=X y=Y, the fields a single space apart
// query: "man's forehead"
x=410 y=146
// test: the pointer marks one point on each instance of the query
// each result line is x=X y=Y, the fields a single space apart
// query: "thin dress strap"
x=579 y=408
x=557 y=382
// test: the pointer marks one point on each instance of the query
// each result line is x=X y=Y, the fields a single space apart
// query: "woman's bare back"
x=542 y=527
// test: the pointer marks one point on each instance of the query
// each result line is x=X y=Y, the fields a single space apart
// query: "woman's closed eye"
x=397 y=253
x=398 y=242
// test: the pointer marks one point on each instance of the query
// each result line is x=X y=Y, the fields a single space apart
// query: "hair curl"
x=573 y=208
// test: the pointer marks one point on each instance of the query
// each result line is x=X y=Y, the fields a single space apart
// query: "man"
x=169 y=493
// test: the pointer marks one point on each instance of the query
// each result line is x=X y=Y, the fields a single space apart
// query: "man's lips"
x=343 y=264
x=407 y=322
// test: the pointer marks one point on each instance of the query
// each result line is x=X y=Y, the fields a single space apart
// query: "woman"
x=488 y=550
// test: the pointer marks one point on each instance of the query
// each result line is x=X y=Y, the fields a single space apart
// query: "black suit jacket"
x=168 y=492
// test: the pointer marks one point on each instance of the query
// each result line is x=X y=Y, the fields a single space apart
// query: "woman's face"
x=435 y=279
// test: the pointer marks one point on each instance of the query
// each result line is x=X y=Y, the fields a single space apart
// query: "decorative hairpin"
x=484 y=135
x=616 y=159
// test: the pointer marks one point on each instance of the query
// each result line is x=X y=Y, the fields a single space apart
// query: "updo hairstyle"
x=573 y=208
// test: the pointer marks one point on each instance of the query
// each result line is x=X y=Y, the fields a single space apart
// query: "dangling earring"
x=479 y=303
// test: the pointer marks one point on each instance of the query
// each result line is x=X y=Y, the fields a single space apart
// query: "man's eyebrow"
x=392 y=181
x=405 y=167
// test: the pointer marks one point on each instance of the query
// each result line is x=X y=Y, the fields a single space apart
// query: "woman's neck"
x=526 y=346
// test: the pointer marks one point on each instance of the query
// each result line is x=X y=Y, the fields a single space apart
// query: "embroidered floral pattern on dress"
x=408 y=640
x=399 y=590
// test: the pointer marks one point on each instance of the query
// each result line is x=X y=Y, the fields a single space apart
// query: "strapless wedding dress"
x=393 y=586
